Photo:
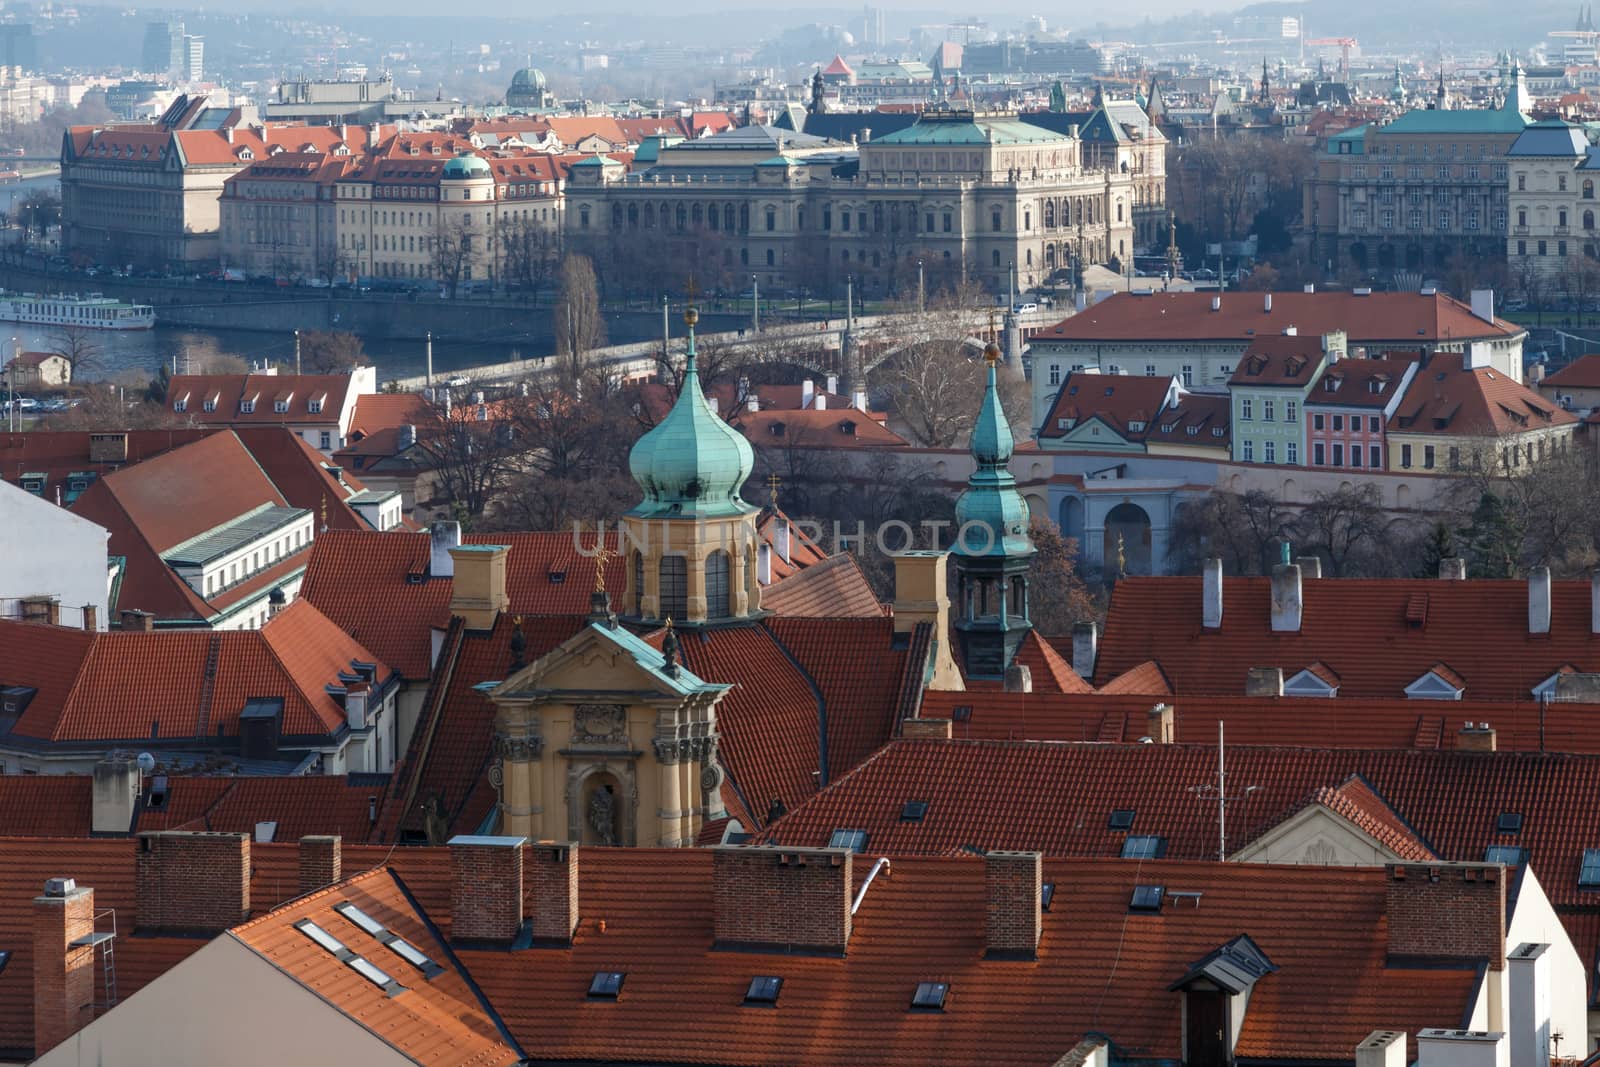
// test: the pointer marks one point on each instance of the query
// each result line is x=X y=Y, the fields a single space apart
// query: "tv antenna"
x=1218 y=794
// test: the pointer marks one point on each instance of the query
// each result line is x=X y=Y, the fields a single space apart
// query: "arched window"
x=1588 y=188
x=699 y=215
x=583 y=217
x=633 y=216
x=638 y=582
x=1588 y=220
x=1119 y=210
x=1561 y=217
x=649 y=216
x=673 y=593
x=1049 y=214
x=682 y=216
x=616 y=216
x=1522 y=217
x=727 y=217
x=717 y=585
x=714 y=217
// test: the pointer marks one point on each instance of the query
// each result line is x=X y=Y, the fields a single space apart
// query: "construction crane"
x=1344 y=43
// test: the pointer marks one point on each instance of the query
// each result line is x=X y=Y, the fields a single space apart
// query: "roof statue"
x=692 y=464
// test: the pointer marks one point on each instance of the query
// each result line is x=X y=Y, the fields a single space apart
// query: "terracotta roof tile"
x=858 y=668
x=1447 y=398
x=1144 y=679
x=1117 y=400
x=831 y=588
x=1581 y=373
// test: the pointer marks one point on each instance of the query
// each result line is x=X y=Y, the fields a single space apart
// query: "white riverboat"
x=92 y=312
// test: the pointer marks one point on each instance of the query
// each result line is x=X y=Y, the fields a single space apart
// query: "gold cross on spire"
x=773 y=482
x=691 y=290
x=602 y=555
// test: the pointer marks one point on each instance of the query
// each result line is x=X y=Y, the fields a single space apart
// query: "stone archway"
x=1072 y=518
x=1358 y=256
x=1037 y=508
x=1127 y=525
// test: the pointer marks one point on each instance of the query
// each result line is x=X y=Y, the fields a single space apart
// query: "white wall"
x=49 y=551
x=1534 y=921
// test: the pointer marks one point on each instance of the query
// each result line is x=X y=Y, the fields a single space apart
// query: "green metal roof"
x=654 y=661
x=991 y=499
x=943 y=130
x=692 y=464
x=258 y=523
x=1500 y=120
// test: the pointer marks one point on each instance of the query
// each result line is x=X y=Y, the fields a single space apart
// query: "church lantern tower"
x=992 y=549
x=691 y=542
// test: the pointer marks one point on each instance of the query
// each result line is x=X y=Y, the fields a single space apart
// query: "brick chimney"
x=553 y=867
x=478 y=594
x=442 y=537
x=1476 y=737
x=1264 y=682
x=63 y=975
x=1539 y=600
x=1161 y=724
x=486 y=888
x=921 y=594
x=1286 y=598
x=932 y=729
x=116 y=794
x=1085 y=648
x=1211 y=594
x=1447 y=912
x=782 y=899
x=1310 y=566
x=133 y=619
x=192 y=883
x=1529 y=1012
x=1382 y=1048
x=1453 y=569
x=321 y=861
x=1013 y=883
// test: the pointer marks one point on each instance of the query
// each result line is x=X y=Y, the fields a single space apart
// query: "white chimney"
x=1539 y=600
x=1454 y=569
x=1286 y=598
x=820 y=402
x=116 y=792
x=1216 y=304
x=1483 y=304
x=833 y=384
x=445 y=535
x=711 y=402
x=1594 y=603
x=859 y=400
x=1266 y=302
x=780 y=539
x=1310 y=288
x=1211 y=594
x=1461 y=1048
x=1085 y=648
x=752 y=403
x=355 y=705
x=1382 y=1048
x=1477 y=357
x=1289 y=331
x=1529 y=1013
x=764 y=564
x=807 y=391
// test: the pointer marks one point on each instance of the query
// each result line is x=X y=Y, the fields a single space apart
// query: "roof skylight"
x=930 y=996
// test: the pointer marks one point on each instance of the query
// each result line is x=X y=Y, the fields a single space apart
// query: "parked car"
x=1024 y=309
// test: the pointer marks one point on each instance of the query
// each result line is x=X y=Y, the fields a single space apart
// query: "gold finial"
x=991 y=351
x=602 y=555
x=324 y=515
x=1122 y=558
x=691 y=314
x=773 y=482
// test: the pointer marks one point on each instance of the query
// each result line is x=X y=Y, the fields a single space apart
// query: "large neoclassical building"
x=967 y=195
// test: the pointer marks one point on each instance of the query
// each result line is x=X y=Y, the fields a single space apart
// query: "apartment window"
x=1561 y=248
x=1358 y=171
x=1472 y=172
x=325 y=441
x=772 y=220
x=1414 y=220
x=1444 y=220
x=1427 y=457
x=1355 y=455
x=1149 y=370
x=1055 y=374
x=947 y=222
x=1522 y=183
x=994 y=222
x=1359 y=218
x=1318 y=455
x=1291 y=411
x=1269 y=452
x=1267 y=412
x=1405 y=457
x=1561 y=183
x=1414 y=171
x=1499 y=220
x=1249 y=451
x=1316 y=421
x=844 y=221
x=1187 y=374
x=1376 y=456
x=1522 y=248
x=1543 y=248
x=1372 y=424
x=1386 y=172
x=1338 y=454
x=1522 y=217
x=1338 y=422
x=1388 y=220
x=1472 y=220
x=1246 y=409
x=1561 y=217
x=1455 y=458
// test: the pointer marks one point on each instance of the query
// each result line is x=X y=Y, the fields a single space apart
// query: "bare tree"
x=529 y=254
x=1344 y=527
x=79 y=346
x=470 y=450
x=580 y=326
x=452 y=252
x=330 y=352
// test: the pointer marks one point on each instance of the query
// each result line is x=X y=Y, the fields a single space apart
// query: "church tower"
x=992 y=550
x=691 y=542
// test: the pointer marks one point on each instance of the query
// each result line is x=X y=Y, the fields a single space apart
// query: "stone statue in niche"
x=603 y=814
x=600 y=722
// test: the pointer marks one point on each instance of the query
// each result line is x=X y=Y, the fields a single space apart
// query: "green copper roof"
x=961 y=129
x=1499 y=120
x=991 y=498
x=692 y=464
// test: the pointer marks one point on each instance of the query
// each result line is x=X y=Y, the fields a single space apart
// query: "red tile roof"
x=363 y=581
x=46 y=805
x=1447 y=398
x=1581 y=373
x=299 y=391
x=383 y=411
x=1115 y=399
x=1357 y=803
x=301 y=474
x=1145 y=679
x=1288 y=360
x=441 y=1019
x=816 y=429
x=1358 y=383
x=833 y=587
x=57 y=453
x=129 y=686
x=1356 y=627
x=1408 y=318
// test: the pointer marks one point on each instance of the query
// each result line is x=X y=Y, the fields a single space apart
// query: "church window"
x=638 y=582
x=717 y=585
x=674 y=587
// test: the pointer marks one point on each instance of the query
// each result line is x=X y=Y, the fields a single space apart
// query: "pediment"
x=601 y=659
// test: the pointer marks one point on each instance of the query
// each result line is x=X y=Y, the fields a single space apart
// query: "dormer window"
x=1192 y=431
x=1135 y=427
x=315 y=406
x=281 y=407
x=1440 y=683
x=181 y=404
x=210 y=404
x=1314 y=681
x=247 y=407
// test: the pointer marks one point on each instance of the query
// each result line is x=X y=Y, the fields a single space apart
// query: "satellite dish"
x=147 y=763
